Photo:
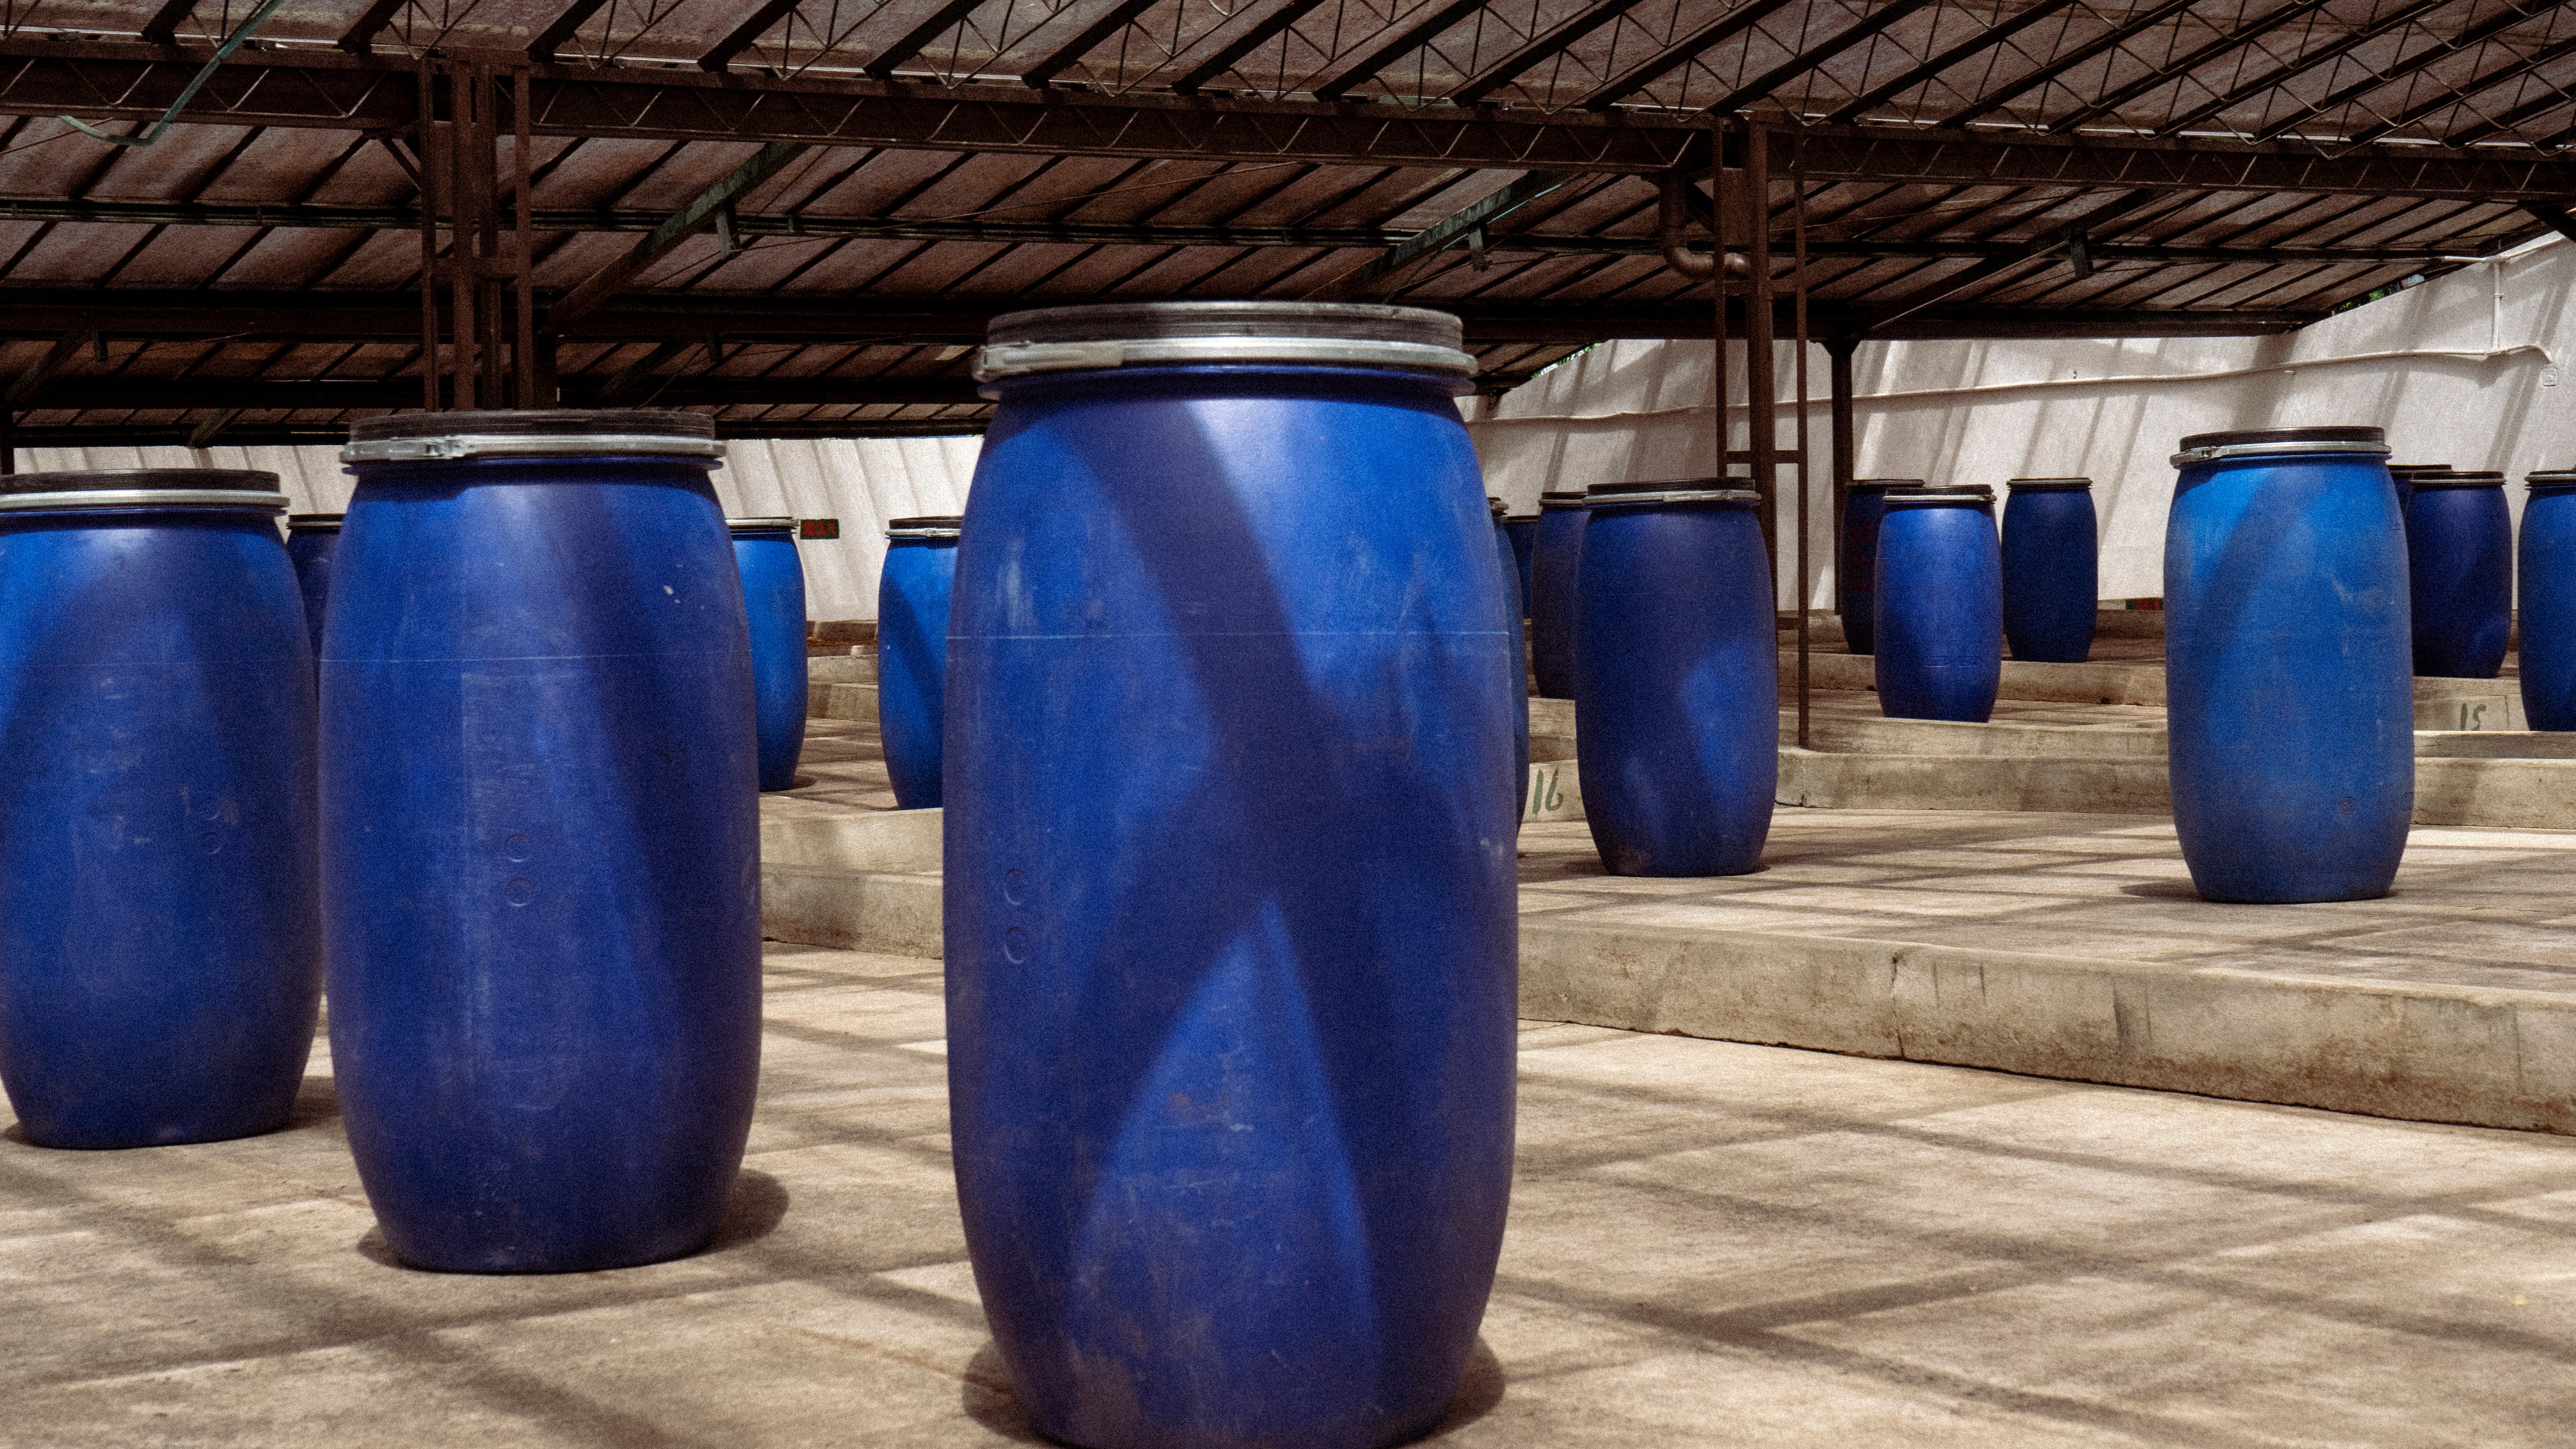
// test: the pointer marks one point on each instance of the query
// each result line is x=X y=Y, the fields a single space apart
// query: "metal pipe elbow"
x=1672 y=222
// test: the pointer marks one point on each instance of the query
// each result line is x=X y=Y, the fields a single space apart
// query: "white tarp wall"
x=2460 y=370
x=860 y=481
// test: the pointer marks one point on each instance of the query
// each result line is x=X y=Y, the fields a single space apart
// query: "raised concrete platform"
x=2073 y=946
x=839 y=864
x=1710 y=1243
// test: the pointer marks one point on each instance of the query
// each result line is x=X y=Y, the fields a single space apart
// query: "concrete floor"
x=1710 y=1243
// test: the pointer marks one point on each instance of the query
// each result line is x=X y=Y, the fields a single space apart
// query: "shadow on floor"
x=988 y=1399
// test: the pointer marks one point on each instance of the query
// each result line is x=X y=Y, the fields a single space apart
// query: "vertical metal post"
x=1838 y=351
x=8 y=442
x=465 y=361
x=1761 y=386
x=1717 y=280
x=536 y=385
x=427 y=151
x=486 y=142
x=1798 y=297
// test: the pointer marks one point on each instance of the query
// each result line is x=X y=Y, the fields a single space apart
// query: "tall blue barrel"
x=310 y=540
x=1939 y=605
x=1864 y=503
x=912 y=653
x=540 y=838
x=2051 y=569
x=2403 y=474
x=2459 y=573
x=1556 y=561
x=773 y=599
x=2290 y=712
x=2547 y=551
x=1677 y=679
x=1523 y=528
x=1230 y=902
x=160 y=935
x=1510 y=565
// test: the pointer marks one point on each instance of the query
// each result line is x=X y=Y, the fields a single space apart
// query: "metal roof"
x=2004 y=167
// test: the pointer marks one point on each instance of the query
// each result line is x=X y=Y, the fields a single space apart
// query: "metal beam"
x=2058 y=65
x=163 y=27
x=699 y=214
x=1261 y=33
x=1988 y=39
x=1539 y=49
x=1714 y=33
x=542 y=49
x=2070 y=238
x=360 y=38
x=1762 y=86
x=917 y=39
x=2443 y=48
x=2302 y=64
x=2554 y=217
x=1466 y=221
x=32 y=378
x=1057 y=61
x=1410 y=38
x=1053 y=233
x=395 y=316
x=2479 y=85
x=2190 y=60
x=740 y=38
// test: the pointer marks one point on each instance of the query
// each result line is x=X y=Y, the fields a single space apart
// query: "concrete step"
x=854 y=668
x=825 y=700
x=2445 y=704
x=864 y=881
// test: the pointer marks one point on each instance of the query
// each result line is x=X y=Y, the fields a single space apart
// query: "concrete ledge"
x=1835 y=781
x=873 y=840
x=2495 y=745
x=2492 y=1058
x=841 y=701
x=858 y=668
x=896 y=913
x=1844 y=733
x=2022 y=679
x=2503 y=792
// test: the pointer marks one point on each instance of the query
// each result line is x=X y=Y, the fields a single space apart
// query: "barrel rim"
x=2408 y=470
x=760 y=525
x=1686 y=490
x=132 y=480
x=929 y=525
x=1976 y=493
x=1520 y=518
x=1881 y=485
x=314 y=522
x=1105 y=336
x=2049 y=485
x=531 y=433
x=2550 y=478
x=2459 y=478
x=131 y=499
x=2280 y=443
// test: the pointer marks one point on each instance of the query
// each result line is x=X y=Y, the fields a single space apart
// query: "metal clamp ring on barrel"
x=1012 y=359
x=1694 y=495
x=924 y=532
x=146 y=498
x=504 y=445
x=2274 y=450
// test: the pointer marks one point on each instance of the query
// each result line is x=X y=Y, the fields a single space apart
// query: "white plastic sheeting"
x=860 y=481
x=2461 y=370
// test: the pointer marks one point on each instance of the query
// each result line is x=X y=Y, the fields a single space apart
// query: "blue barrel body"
x=1864 y=504
x=541 y=857
x=912 y=662
x=1509 y=562
x=1230 y=921
x=2547 y=551
x=1677 y=696
x=2459 y=566
x=160 y=930
x=1523 y=529
x=1939 y=606
x=773 y=598
x=310 y=540
x=1556 y=561
x=2291 y=713
x=2051 y=569
x=2403 y=475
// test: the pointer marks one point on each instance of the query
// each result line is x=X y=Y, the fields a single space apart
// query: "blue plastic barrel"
x=1230 y=901
x=1864 y=503
x=2459 y=573
x=2051 y=569
x=912 y=653
x=1677 y=679
x=2291 y=715
x=773 y=598
x=1523 y=527
x=1510 y=565
x=1939 y=605
x=160 y=938
x=2404 y=476
x=310 y=539
x=1556 y=561
x=540 y=838
x=2547 y=553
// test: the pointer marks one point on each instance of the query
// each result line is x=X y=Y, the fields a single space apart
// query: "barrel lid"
x=2403 y=470
x=1881 y=485
x=2458 y=478
x=1560 y=502
x=929 y=526
x=314 y=522
x=2049 y=485
x=143 y=487
x=1520 y=518
x=1335 y=334
x=759 y=525
x=2276 y=442
x=1976 y=493
x=531 y=433
x=1689 y=490
x=2551 y=478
